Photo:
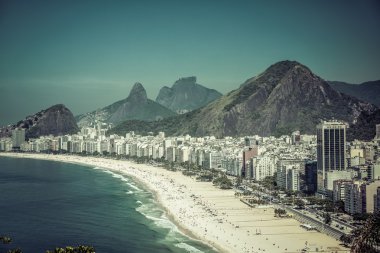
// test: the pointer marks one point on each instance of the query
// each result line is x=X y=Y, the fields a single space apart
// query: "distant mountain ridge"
x=56 y=120
x=137 y=106
x=367 y=91
x=186 y=95
x=285 y=97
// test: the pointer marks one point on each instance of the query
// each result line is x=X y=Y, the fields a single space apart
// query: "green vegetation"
x=299 y=203
x=245 y=92
x=283 y=130
x=223 y=182
x=279 y=212
x=189 y=173
x=365 y=127
x=327 y=218
x=254 y=201
x=68 y=249
x=270 y=182
x=360 y=216
x=168 y=125
x=204 y=177
x=367 y=238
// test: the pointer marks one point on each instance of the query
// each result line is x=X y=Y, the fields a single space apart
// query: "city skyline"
x=87 y=55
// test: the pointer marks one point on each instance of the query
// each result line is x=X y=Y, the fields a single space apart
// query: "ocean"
x=46 y=204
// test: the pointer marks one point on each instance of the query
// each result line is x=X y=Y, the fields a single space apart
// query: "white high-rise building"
x=18 y=137
x=261 y=167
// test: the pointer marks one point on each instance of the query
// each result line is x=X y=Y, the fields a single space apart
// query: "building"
x=374 y=171
x=212 y=160
x=232 y=165
x=331 y=153
x=339 y=189
x=296 y=137
x=369 y=193
x=247 y=155
x=6 y=144
x=332 y=176
x=18 y=137
x=352 y=198
x=310 y=178
x=289 y=173
x=261 y=167
x=361 y=197
x=378 y=131
x=377 y=200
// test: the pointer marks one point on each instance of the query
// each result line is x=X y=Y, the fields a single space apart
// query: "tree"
x=327 y=218
x=299 y=203
x=346 y=239
x=279 y=212
x=367 y=238
x=239 y=180
x=223 y=182
x=68 y=249
x=339 y=206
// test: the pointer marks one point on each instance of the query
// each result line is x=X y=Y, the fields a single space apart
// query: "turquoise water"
x=45 y=204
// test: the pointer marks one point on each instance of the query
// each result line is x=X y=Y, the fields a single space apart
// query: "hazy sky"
x=88 y=54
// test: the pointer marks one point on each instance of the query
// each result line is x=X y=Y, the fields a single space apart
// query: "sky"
x=88 y=54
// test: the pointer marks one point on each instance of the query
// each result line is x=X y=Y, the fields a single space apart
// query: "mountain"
x=365 y=126
x=186 y=95
x=135 y=106
x=368 y=91
x=56 y=120
x=285 y=97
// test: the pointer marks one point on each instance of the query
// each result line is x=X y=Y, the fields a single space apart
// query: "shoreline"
x=210 y=215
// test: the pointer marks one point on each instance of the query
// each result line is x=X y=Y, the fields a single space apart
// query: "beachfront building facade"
x=361 y=196
x=288 y=174
x=261 y=167
x=18 y=137
x=292 y=157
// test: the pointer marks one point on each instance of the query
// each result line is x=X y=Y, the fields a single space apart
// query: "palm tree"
x=367 y=238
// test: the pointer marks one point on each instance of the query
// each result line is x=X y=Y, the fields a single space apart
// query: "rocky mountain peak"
x=286 y=97
x=138 y=94
x=186 y=95
x=56 y=120
x=185 y=81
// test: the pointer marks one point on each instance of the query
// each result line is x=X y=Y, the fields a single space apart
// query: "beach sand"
x=212 y=215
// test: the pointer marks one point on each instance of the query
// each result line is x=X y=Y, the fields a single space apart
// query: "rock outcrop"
x=137 y=106
x=186 y=95
x=56 y=120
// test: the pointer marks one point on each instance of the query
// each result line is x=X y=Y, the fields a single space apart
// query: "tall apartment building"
x=361 y=197
x=352 y=198
x=261 y=167
x=288 y=174
x=18 y=137
x=331 y=154
x=247 y=155
x=310 y=178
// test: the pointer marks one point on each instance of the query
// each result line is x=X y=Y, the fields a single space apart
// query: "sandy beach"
x=214 y=216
